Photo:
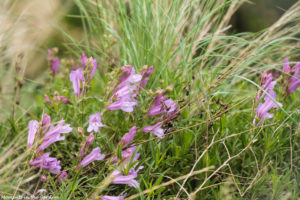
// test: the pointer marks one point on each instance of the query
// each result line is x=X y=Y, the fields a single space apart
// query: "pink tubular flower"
x=128 y=137
x=47 y=100
x=95 y=123
x=157 y=107
x=156 y=129
x=126 y=92
x=43 y=178
x=55 y=63
x=86 y=145
x=107 y=197
x=53 y=60
x=46 y=162
x=119 y=178
x=77 y=79
x=33 y=129
x=62 y=176
x=94 y=155
x=54 y=134
x=62 y=99
x=93 y=70
x=83 y=60
x=129 y=77
x=46 y=121
x=124 y=104
x=145 y=74
x=169 y=107
x=263 y=108
x=126 y=157
x=294 y=81
x=81 y=77
x=267 y=85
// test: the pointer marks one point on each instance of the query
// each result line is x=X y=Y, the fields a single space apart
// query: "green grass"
x=215 y=75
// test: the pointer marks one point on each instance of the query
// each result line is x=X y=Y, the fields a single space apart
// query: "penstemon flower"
x=46 y=162
x=291 y=78
x=54 y=135
x=77 y=79
x=43 y=178
x=267 y=85
x=125 y=93
x=127 y=157
x=33 y=129
x=162 y=106
x=262 y=111
x=62 y=176
x=129 y=179
x=94 y=155
x=86 y=145
x=156 y=129
x=128 y=137
x=95 y=123
x=145 y=74
x=53 y=60
x=125 y=104
x=81 y=77
x=107 y=197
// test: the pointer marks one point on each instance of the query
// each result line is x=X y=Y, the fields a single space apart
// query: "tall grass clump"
x=160 y=100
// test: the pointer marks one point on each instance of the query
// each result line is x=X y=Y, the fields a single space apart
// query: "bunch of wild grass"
x=210 y=150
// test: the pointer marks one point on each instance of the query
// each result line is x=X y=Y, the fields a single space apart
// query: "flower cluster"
x=129 y=85
x=291 y=81
x=47 y=134
x=291 y=76
x=53 y=60
x=167 y=108
x=124 y=97
x=82 y=76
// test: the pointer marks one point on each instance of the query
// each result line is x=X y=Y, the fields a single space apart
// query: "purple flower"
x=62 y=176
x=54 y=135
x=129 y=77
x=94 y=155
x=127 y=157
x=47 y=100
x=46 y=162
x=46 y=121
x=170 y=107
x=77 y=80
x=43 y=178
x=95 y=123
x=145 y=74
x=157 y=107
x=33 y=129
x=63 y=99
x=267 y=85
x=55 y=63
x=128 y=137
x=126 y=92
x=107 y=197
x=156 y=129
x=86 y=145
x=124 y=104
x=263 y=108
x=83 y=60
x=294 y=81
x=94 y=69
x=119 y=178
